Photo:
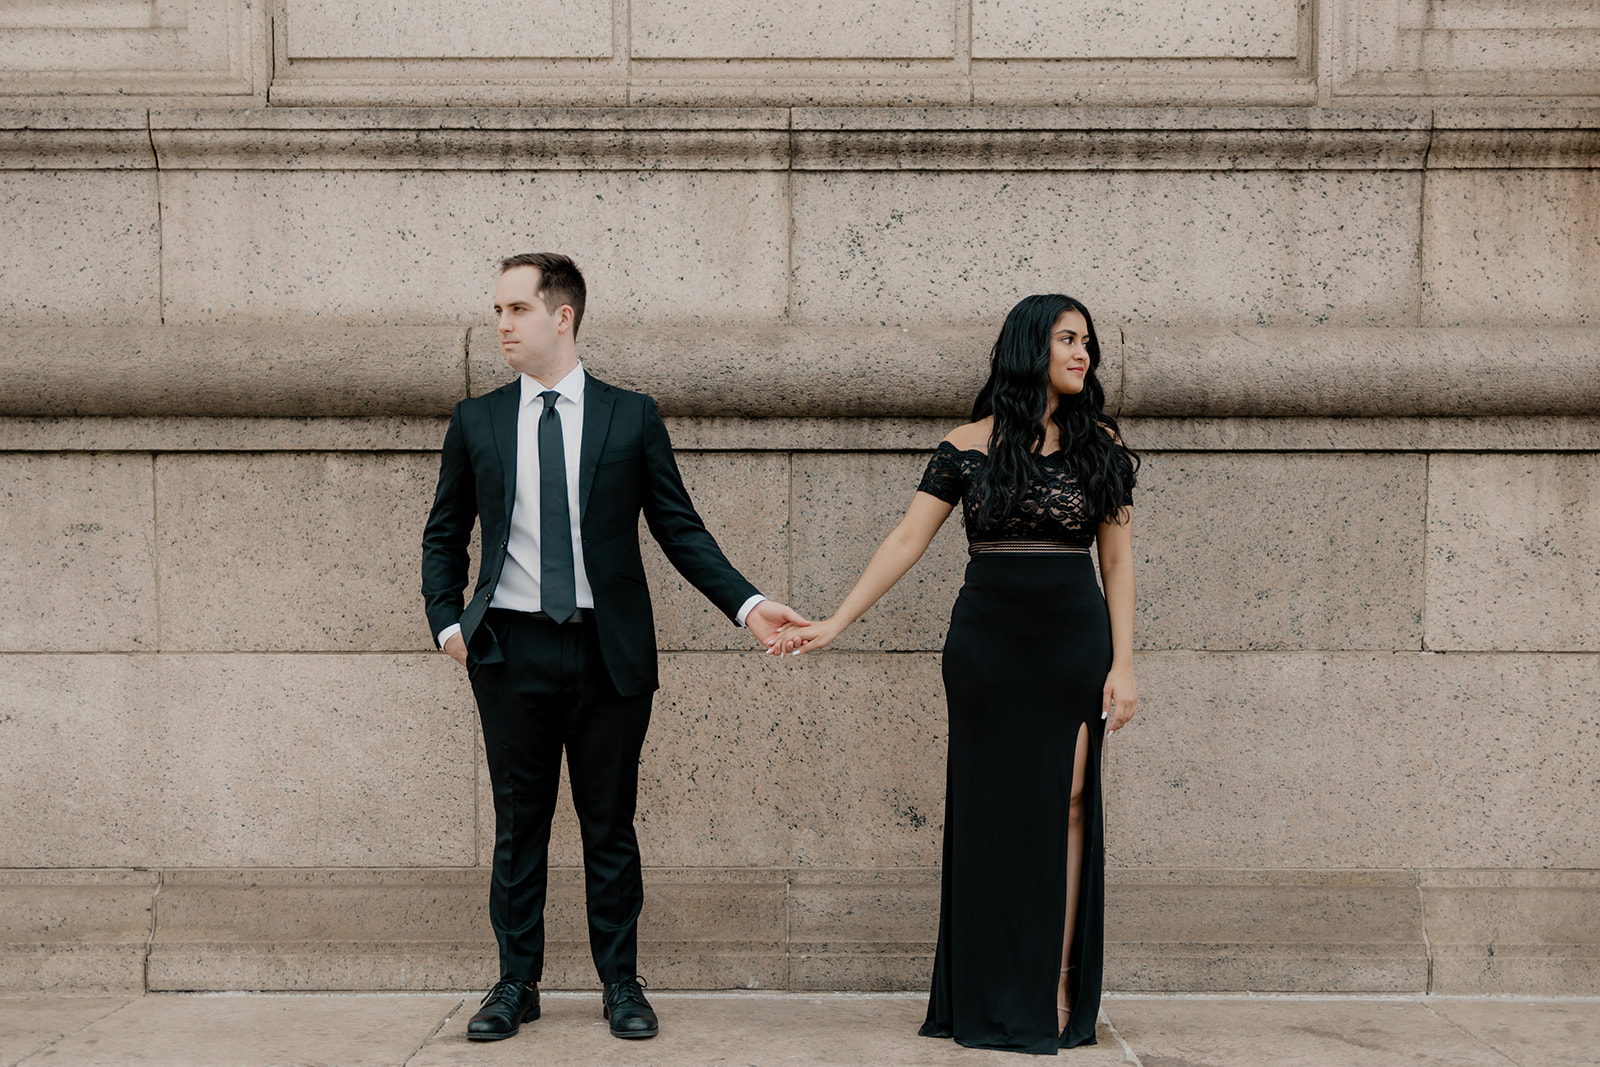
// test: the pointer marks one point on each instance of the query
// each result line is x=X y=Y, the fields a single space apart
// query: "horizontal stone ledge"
x=842 y=138
x=237 y=371
x=1498 y=433
x=1198 y=930
x=1373 y=372
x=257 y=370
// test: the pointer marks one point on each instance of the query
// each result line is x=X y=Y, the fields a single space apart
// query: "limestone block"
x=199 y=372
x=831 y=760
x=820 y=29
x=1355 y=760
x=845 y=504
x=1265 y=930
x=315 y=551
x=69 y=138
x=197 y=1031
x=1514 y=552
x=1329 y=371
x=1089 y=29
x=227 y=760
x=744 y=499
x=76 y=568
x=435 y=29
x=1280 y=550
x=1531 y=933
x=1249 y=1032
x=671 y=247
x=1191 y=248
x=1503 y=433
x=1511 y=247
x=82 y=248
x=74 y=932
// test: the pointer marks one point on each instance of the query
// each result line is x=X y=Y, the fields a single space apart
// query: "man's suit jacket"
x=625 y=467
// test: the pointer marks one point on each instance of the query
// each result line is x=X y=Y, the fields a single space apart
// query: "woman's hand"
x=1120 y=699
x=797 y=640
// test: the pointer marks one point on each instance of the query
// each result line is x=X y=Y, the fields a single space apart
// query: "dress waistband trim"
x=1025 y=548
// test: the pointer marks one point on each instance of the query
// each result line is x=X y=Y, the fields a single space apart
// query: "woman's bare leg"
x=1080 y=770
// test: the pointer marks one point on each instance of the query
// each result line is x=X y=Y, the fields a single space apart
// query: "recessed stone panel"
x=668 y=247
x=76 y=568
x=1514 y=552
x=1140 y=248
x=82 y=248
x=835 y=759
x=229 y=760
x=818 y=29
x=1511 y=247
x=293 y=552
x=1360 y=760
x=845 y=504
x=1099 y=29
x=440 y=29
x=1279 y=550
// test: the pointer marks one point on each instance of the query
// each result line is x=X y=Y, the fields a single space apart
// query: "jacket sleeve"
x=677 y=526
x=448 y=532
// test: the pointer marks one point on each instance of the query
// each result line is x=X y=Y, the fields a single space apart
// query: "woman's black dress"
x=1025 y=663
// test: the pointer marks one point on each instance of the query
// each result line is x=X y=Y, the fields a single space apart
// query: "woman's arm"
x=1121 y=697
x=903 y=547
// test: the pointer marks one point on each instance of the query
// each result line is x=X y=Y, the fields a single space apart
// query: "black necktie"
x=558 y=587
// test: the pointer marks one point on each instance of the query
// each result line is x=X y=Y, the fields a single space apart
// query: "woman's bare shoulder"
x=972 y=435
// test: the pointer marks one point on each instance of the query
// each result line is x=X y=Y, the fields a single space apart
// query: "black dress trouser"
x=553 y=693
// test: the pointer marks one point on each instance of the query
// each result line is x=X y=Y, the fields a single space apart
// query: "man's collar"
x=570 y=387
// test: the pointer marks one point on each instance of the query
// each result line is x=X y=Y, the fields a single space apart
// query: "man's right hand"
x=457 y=649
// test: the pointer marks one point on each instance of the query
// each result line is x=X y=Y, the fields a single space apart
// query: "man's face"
x=528 y=331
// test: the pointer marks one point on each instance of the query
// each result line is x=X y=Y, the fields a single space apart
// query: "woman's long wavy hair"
x=1017 y=394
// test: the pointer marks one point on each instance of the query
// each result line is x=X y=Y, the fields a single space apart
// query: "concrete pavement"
x=847 y=1030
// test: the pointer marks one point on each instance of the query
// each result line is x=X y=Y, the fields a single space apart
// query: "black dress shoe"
x=509 y=1004
x=629 y=1013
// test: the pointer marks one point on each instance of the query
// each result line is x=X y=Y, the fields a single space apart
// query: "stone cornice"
x=800 y=371
x=811 y=139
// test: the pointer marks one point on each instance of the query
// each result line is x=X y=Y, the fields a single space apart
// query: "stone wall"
x=1343 y=257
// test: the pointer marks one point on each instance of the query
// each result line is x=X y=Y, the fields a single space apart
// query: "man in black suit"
x=558 y=638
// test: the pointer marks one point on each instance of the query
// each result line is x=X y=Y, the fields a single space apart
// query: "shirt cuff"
x=448 y=632
x=743 y=612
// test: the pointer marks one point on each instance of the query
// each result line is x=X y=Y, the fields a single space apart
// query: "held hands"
x=795 y=640
x=1120 y=699
x=768 y=618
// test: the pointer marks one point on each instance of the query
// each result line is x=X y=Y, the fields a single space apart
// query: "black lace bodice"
x=1052 y=510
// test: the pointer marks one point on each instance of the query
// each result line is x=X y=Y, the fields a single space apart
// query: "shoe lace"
x=629 y=987
x=506 y=987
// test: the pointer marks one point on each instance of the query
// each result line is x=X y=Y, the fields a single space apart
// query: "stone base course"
x=1182 y=930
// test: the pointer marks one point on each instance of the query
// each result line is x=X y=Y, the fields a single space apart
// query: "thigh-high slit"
x=1025 y=663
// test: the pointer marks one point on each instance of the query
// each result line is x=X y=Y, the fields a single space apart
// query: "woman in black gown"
x=1037 y=664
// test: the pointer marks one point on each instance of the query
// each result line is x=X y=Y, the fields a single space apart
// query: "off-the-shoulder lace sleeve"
x=943 y=476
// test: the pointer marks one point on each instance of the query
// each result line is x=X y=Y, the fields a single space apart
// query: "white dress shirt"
x=518 y=589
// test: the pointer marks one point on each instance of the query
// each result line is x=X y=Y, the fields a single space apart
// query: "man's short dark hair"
x=560 y=281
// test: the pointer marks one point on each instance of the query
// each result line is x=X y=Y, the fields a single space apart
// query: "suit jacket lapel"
x=504 y=406
x=598 y=401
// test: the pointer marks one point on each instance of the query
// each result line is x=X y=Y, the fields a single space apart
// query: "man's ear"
x=564 y=317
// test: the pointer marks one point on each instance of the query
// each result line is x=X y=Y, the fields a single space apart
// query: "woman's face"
x=1069 y=354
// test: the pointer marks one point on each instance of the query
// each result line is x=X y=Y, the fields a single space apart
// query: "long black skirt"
x=1025 y=664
